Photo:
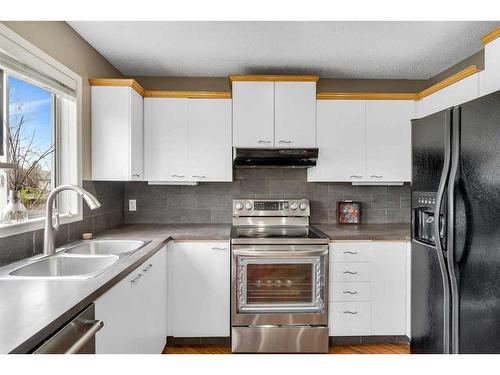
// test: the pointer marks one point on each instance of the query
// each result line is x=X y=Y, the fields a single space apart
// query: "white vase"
x=14 y=211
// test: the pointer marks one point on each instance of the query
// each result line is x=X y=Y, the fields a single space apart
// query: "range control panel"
x=271 y=207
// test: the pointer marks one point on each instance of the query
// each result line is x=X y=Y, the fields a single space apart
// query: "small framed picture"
x=348 y=212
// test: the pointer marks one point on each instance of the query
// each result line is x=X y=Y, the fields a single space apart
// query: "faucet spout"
x=50 y=229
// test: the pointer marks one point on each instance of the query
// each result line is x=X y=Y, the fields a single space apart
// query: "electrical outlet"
x=132 y=205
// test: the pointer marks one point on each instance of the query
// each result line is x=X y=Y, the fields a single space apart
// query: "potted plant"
x=26 y=179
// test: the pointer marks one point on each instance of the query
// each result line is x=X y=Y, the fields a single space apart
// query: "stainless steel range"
x=279 y=278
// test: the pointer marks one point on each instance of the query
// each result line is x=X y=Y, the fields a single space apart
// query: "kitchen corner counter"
x=32 y=309
x=365 y=232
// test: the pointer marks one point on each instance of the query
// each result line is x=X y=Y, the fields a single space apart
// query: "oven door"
x=279 y=284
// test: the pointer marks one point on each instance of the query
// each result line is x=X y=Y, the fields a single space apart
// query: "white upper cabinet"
x=274 y=114
x=295 y=114
x=210 y=154
x=166 y=139
x=187 y=140
x=341 y=141
x=363 y=141
x=117 y=134
x=455 y=94
x=490 y=76
x=253 y=114
x=388 y=140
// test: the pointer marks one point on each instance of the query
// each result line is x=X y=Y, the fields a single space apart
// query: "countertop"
x=31 y=309
x=374 y=232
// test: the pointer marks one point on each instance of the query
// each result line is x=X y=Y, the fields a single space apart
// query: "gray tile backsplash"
x=211 y=202
x=109 y=215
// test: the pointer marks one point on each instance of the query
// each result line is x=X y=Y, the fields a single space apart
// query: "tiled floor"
x=336 y=349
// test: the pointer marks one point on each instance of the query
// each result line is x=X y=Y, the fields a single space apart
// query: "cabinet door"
x=111 y=133
x=201 y=289
x=295 y=114
x=210 y=152
x=253 y=114
x=388 y=140
x=341 y=141
x=490 y=76
x=166 y=139
x=154 y=299
x=389 y=288
x=136 y=136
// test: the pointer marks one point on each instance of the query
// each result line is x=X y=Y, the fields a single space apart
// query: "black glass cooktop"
x=276 y=233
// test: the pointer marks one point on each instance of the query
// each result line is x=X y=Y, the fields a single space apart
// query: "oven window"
x=279 y=283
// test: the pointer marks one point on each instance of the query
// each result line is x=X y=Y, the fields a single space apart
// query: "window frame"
x=28 y=54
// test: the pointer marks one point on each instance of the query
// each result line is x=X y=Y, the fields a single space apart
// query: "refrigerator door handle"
x=450 y=239
x=437 y=230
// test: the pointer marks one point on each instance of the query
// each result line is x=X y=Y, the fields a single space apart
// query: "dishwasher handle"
x=93 y=327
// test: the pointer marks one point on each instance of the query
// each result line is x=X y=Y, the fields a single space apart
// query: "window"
x=31 y=123
x=40 y=133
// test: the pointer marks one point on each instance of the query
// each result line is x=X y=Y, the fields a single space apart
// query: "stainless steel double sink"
x=84 y=259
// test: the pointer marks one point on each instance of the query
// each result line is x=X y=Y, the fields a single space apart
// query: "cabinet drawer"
x=350 y=252
x=350 y=291
x=350 y=318
x=350 y=272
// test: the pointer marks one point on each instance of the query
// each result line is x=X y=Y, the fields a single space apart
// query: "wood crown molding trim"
x=491 y=36
x=118 y=82
x=473 y=69
x=188 y=94
x=366 y=96
x=273 y=78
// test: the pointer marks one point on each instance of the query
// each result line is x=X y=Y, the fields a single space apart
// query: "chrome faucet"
x=50 y=228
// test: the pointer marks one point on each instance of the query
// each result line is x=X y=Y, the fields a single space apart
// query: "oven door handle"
x=280 y=254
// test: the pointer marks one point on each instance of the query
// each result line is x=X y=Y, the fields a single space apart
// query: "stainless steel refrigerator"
x=455 y=263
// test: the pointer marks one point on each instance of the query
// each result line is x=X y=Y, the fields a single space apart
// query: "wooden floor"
x=336 y=349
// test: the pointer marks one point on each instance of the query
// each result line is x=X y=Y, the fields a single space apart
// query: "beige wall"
x=61 y=42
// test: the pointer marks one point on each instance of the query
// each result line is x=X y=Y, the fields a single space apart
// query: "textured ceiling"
x=398 y=50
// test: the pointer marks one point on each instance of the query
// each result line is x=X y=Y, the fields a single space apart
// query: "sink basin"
x=65 y=266
x=105 y=247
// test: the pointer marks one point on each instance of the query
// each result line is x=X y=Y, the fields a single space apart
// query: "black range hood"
x=275 y=158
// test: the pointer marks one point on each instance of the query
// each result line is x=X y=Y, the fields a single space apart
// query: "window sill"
x=31 y=225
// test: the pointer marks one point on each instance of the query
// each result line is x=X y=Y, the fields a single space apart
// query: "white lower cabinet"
x=200 y=289
x=134 y=311
x=368 y=288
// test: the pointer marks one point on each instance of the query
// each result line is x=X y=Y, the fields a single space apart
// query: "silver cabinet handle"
x=215 y=248
x=179 y=176
x=350 y=312
x=148 y=267
x=135 y=279
x=350 y=252
x=349 y=292
x=285 y=141
x=355 y=176
x=376 y=176
x=196 y=176
x=262 y=141
x=350 y=272
x=136 y=175
x=95 y=325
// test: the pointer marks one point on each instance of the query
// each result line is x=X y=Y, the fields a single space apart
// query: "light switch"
x=132 y=205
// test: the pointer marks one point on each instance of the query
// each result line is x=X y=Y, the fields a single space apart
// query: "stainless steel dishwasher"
x=76 y=337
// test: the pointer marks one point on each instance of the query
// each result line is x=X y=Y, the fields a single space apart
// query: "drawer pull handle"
x=285 y=141
x=148 y=267
x=215 y=248
x=178 y=176
x=350 y=312
x=136 y=278
x=350 y=252
x=376 y=176
x=349 y=292
x=356 y=176
x=351 y=273
x=263 y=141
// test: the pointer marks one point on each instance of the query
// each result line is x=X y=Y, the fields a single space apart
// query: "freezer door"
x=476 y=221
x=427 y=301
